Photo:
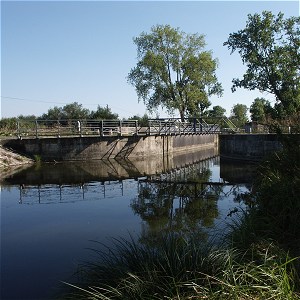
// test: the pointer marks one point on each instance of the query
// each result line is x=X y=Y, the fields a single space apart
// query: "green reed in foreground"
x=181 y=269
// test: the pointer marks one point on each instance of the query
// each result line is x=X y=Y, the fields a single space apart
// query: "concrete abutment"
x=96 y=148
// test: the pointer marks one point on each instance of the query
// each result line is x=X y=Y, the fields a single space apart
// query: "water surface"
x=50 y=213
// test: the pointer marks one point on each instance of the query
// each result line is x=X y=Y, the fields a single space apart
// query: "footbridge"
x=85 y=128
x=62 y=140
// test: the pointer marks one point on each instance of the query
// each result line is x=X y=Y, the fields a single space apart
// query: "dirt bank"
x=10 y=162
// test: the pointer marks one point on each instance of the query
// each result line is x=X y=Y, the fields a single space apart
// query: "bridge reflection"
x=184 y=176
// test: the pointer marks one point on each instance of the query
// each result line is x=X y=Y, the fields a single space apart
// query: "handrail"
x=168 y=126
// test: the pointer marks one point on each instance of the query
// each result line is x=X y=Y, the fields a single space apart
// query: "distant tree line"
x=260 y=111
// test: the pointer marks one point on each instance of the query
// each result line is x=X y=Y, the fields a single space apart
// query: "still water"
x=51 y=213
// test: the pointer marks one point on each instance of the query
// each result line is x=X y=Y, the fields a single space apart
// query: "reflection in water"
x=64 y=193
x=180 y=201
x=78 y=172
x=91 y=201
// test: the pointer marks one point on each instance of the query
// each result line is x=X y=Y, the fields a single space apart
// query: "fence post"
x=120 y=123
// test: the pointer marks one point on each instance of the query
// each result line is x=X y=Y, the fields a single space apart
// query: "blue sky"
x=57 y=52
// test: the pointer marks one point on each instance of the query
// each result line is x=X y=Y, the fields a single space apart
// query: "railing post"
x=58 y=128
x=101 y=128
x=18 y=129
x=79 y=128
x=201 y=121
x=136 y=127
x=36 y=129
x=120 y=123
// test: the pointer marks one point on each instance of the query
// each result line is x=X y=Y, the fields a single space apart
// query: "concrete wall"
x=248 y=146
x=95 y=148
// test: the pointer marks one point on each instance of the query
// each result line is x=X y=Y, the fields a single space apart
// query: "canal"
x=52 y=213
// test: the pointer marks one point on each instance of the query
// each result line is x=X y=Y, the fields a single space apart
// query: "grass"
x=182 y=269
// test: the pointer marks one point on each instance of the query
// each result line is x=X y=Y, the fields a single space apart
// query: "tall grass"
x=181 y=269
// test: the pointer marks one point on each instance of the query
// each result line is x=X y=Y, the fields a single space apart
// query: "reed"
x=184 y=269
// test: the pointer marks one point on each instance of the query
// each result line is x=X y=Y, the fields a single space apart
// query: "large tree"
x=173 y=71
x=269 y=47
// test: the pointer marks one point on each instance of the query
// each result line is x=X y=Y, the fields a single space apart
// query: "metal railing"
x=191 y=126
x=170 y=126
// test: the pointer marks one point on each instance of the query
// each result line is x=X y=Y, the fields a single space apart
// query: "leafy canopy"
x=173 y=71
x=260 y=110
x=239 y=115
x=103 y=113
x=269 y=47
x=216 y=112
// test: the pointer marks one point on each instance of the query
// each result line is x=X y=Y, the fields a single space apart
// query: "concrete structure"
x=251 y=147
x=95 y=148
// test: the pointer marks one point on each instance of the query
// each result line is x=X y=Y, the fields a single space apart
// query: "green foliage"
x=173 y=71
x=239 y=115
x=69 y=111
x=260 y=110
x=55 y=113
x=103 y=113
x=216 y=112
x=269 y=46
x=278 y=190
x=177 y=268
x=8 y=126
x=142 y=121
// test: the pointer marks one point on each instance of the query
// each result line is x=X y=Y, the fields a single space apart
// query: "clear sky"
x=58 y=52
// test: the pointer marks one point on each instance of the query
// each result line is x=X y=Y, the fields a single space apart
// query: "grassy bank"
x=259 y=259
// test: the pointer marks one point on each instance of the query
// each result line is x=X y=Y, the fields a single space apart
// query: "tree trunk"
x=181 y=112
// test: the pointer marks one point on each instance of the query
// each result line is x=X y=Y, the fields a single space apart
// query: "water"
x=50 y=214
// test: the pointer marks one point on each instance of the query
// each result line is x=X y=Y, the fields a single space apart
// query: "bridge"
x=82 y=140
x=81 y=128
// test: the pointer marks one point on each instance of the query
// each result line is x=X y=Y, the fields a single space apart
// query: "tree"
x=69 y=111
x=103 y=113
x=239 y=115
x=260 y=110
x=143 y=121
x=216 y=112
x=75 y=111
x=54 y=113
x=173 y=71
x=269 y=46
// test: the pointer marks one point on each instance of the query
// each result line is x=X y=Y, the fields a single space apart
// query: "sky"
x=57 y=52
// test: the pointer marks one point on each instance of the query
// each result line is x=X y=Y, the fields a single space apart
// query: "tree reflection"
x=184 y=203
